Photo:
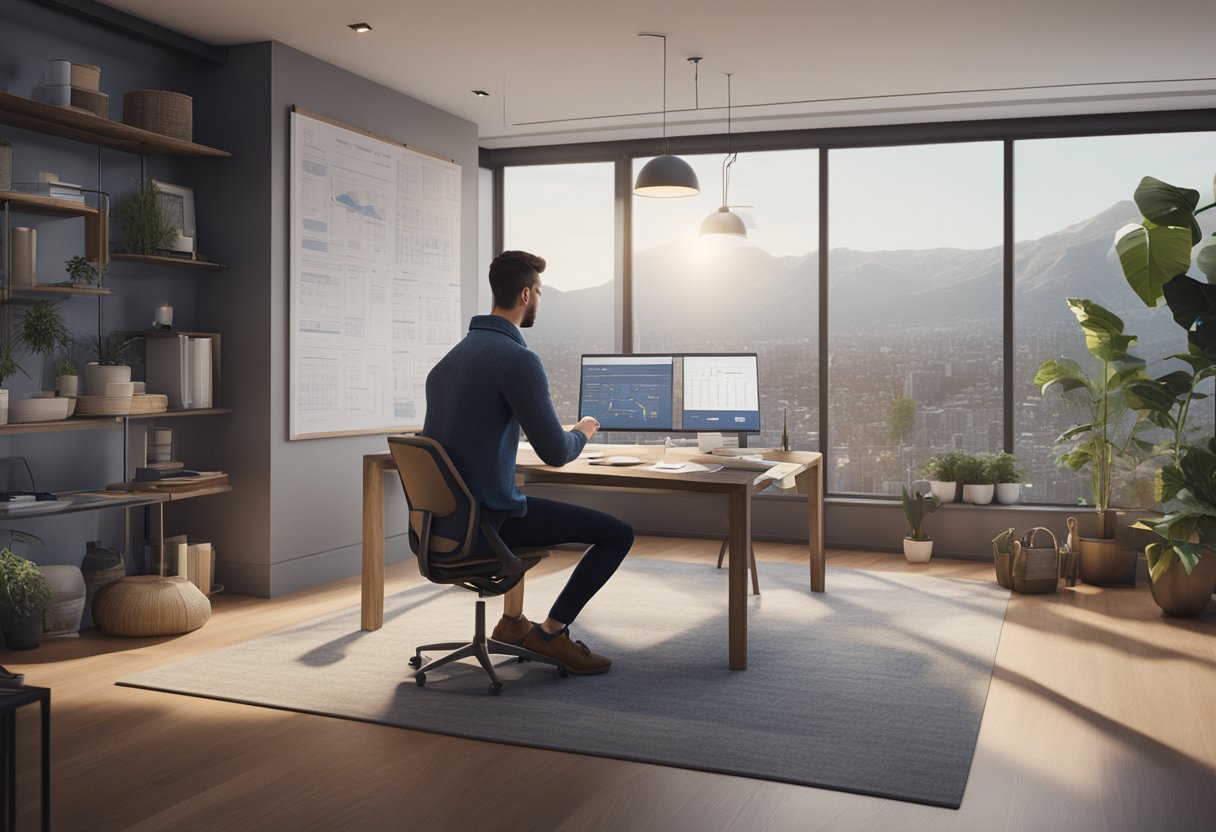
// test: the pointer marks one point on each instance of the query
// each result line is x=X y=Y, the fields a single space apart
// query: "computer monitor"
x=627 y=392
x=721 y=393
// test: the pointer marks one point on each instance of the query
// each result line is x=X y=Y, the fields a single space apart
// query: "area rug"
x=876 y=686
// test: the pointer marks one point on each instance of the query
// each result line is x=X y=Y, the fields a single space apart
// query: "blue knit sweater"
x=477 y=398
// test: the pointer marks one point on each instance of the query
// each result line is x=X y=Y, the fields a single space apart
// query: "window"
x=565 y=213
x=914 y=294
x=729 y=294
x=1071 y=196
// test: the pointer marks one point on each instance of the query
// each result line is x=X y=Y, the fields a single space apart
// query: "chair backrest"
x=433 y=485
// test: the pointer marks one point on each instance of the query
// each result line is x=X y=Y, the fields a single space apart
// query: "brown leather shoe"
x=575 y=656
x=511 y=630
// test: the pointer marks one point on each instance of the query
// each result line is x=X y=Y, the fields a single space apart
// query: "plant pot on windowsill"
x=918 y=551
x=1008 y=493
x=944 y=491
x=978 y=493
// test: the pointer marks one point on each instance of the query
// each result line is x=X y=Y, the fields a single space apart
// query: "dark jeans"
x=549 y=522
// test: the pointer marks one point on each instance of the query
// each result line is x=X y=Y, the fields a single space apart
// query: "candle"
x=164 y=315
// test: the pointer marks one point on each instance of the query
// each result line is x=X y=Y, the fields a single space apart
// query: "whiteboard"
x=375 y=278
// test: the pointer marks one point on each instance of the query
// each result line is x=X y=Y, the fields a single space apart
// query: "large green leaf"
x=1163 y=204
x=1065 y=372
x=1076 y=459
x=1072 y=432
x=1104 y=336
x=1160 y=557
x=1151 y=257
x=1149 y=394
x=1169 y=483
x=1193 y=305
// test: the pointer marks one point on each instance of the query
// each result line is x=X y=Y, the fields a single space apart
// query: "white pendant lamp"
x=666 y=175
x=725 y=221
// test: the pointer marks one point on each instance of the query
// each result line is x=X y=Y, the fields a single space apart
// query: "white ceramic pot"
x=918 y=551
x=980 y=495
x=1008 y=493
x=97 y=376
x=68 y=385
x=3 y=406
x=944 y=491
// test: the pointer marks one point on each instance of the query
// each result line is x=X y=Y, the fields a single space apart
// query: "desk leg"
x=45 y=707
x=739 y=533
x=373 y=546
x=810 y=482
x=10 y=771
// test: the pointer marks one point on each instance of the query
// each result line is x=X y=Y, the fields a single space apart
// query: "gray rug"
x=875 y=687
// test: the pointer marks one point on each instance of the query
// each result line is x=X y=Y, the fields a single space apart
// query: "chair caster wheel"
x=522 y=659
x=420 y=679
x=495 y=688
x=415 y=662
x=562 y=673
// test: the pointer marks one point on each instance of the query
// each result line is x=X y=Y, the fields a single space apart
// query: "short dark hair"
x=511 y=273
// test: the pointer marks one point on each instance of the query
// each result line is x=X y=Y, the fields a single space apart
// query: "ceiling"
x=575 y=70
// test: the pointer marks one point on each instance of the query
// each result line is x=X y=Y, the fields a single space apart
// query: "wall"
x=31 y=33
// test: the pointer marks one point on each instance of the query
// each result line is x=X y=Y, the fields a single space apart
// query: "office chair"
x=434 y=488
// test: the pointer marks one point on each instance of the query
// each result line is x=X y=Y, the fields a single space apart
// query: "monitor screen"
x=721 y=393
x=627 y=392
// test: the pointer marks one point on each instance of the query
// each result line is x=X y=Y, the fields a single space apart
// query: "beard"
x=529 y=315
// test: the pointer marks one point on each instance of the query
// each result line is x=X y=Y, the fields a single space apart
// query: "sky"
x=911 y=197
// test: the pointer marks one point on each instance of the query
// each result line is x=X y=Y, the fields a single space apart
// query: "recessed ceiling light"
x=480 y=93
x=360 y=27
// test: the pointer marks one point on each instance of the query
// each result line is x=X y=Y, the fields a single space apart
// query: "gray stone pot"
x=63 y=614
x=21 y=632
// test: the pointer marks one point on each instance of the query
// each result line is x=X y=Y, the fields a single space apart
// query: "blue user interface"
x=721 y=393
x=627 y=392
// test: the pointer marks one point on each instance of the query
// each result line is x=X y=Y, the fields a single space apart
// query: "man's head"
x=515 y=282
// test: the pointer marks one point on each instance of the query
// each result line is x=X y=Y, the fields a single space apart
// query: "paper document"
x=684 y=468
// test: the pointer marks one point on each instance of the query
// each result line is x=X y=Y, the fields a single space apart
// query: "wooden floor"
x=1101 y=716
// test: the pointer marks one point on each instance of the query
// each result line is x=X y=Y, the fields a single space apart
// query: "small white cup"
x=58 y=72
x=120 y=388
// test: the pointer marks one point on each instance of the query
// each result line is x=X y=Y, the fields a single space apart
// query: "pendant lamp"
x=666 y=175
x=725 y=221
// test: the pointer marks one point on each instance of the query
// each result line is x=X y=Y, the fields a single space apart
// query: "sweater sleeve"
x=526 y=388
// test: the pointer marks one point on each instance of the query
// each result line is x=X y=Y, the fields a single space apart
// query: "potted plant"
x=144 y=226
x=24 y=594
x=6 y=164
x=1112 y=433
x=42 y=330
x=942 y=472
x=973 y=474
x=109 y=362
x=67 y=381
x=918 y=547
x=8 y=368
x=1155 y=256
x=82 y=272
x=1005 y=473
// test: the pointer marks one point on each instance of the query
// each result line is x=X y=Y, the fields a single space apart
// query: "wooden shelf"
x=54 y=427
x=51 y=289
x=95 y=130
x=47 y=206
x=165 y=260
x=168 y=414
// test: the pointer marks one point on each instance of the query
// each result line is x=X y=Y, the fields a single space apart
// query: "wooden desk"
x=737 y=486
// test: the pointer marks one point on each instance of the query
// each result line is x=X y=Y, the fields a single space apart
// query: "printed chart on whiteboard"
x=375 y=278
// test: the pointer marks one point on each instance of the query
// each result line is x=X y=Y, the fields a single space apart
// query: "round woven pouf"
x=149 y=605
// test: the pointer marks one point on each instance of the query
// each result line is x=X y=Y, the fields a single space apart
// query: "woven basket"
x=1002 y=557
x=148 y=605
x=86 y=77
x=1036 y=569
x=160 y=111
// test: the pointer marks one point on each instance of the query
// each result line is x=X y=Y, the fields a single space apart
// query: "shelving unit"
x=165 y=260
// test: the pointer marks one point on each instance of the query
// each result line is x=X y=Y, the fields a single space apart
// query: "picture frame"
x=177 y=202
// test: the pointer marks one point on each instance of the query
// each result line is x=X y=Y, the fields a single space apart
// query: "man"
x=477 y=399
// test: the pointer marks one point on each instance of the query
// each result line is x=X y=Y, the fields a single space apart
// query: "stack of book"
x=193 y=560
x=50 y=186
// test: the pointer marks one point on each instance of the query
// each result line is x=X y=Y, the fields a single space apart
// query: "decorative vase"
x=6 y=167
x=21 y=632
x=100 y=566
x=1008 y=493
x=1178 y=593
x=1106 y=563
x=63 y=614
x=68 y=385
x=918 y=551
x=944 y=491
x=980 y=495
x=97 y=376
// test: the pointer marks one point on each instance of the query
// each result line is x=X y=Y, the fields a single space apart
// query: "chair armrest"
x=509 y=564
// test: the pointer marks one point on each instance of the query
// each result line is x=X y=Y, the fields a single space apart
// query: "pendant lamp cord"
x=730 y=153
x=666 y=143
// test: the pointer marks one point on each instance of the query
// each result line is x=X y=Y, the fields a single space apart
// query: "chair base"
x=480 y=648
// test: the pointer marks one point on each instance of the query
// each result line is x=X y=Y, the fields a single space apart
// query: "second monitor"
x=721 y=393
x=627 y=392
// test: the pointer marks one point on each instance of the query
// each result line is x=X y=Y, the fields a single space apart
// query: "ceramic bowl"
x=39 y=410
x=120 y=388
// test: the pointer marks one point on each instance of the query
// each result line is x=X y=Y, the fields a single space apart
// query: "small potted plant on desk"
x=1111 y=435
x=24 y=594
x=1008 y=476
x=82 y=272
x=918 y=547
x=109 y=362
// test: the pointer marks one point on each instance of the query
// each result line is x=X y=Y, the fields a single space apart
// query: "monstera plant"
x=1156 y=255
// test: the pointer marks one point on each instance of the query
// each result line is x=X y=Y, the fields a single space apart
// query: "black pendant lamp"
x=666 y=175
x=725 y=221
